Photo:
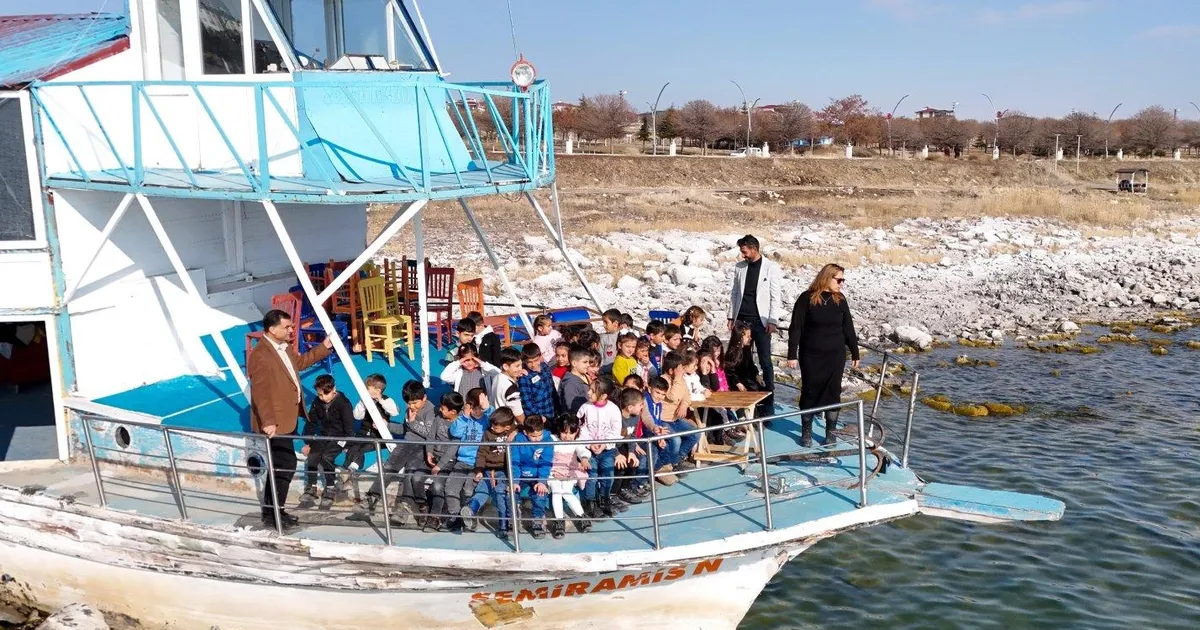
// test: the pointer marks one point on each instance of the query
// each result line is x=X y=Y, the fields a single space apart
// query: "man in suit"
x=276 y=401
x=756 y=299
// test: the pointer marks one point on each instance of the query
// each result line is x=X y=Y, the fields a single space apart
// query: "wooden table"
x=733 y=401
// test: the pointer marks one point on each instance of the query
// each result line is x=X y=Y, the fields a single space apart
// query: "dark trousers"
x=762 y=343
x=319 y=464
x=283 y=459
x=404 y=456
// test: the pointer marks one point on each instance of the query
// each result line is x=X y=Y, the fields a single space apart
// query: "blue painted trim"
x=166 y=132
x=58 y=132
x=473 y=135
x=306 y=149
x=262 y=130
x=139 y=169
x=264 y=158
x=442 y=133
x=384 y=143
x=104 y=132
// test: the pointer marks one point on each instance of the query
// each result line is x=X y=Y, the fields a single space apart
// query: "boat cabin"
x=188 y=166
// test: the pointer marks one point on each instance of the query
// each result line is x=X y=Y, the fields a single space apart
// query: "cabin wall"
x=133 y=322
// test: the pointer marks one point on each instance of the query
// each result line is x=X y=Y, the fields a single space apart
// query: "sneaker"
x=537 y=531
x=666 y=475
x=309 y=498
x=685 y=466
x=403 y=515
x=470 y=523
x=629 y=496
x=432 y=524
x=327 y=498
x=643 y=490
x=503 y=534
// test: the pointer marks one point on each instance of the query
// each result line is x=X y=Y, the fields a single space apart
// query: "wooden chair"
x=382 y=330
x=290 y=304
x=392 y=283
x=439 y=298
x=345 y=301
x=470 y=299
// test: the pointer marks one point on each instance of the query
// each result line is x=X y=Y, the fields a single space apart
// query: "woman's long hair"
x=733 y=354
x=821 y=284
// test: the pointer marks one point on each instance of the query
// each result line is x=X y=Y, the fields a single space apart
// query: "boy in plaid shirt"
x=537 y=384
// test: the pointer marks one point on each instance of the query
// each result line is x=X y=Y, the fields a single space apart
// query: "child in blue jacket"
x=533 y=457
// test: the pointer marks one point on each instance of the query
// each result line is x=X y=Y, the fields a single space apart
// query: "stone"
x=1159 y=299
x=701 y=259
x=914 y=337
x=683 y=275
x=629 y=283
x=75 y=617
x=1068 y=327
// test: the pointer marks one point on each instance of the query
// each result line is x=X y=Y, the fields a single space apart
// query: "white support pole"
x=190 y=287
x=339 y=347
x=105 y=234
x=398 y=221
x=562 y=247
x=422 y=297
x=557 y=209
x=508 y=285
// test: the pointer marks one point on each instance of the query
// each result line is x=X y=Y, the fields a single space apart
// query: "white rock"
x=1159 y=299
x=684 y=275
x=650 y=276
x=536 y=242
x=677 y=258
x=1068 y=327
x=75 y=617
x=701 y=259
x=553 y=279
x=912 y=336
x=628 y=283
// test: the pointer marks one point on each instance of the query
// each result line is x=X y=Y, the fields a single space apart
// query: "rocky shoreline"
x=922 y=280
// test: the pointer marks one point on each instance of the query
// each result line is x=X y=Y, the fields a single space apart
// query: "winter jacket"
x=429 y=426
x=568 y=461
x=491 y=457
x=533 y=460
x=387 y=409
x=489 y=345
x=573 y=391
x=332 y=419
x=468 y=429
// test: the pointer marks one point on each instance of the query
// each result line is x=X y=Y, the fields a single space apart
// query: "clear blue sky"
x=1044 y=57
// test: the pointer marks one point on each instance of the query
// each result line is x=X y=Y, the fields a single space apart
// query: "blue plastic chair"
x=314 y=330
x=664 y=316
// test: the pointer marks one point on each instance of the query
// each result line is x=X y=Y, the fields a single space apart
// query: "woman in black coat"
x=822 y=329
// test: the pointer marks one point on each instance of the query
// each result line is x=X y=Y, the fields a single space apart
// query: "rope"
x=512 y=28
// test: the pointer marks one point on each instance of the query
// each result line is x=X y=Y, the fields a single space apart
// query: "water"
x=1116 y=436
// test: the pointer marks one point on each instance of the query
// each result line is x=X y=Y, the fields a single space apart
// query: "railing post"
x=264 y=158
x=653 y=493
x=387 y=516
x=862 y=457
x=271 y=487
x=176 y=484
x=766 y=479
x=512 y=497
x=87 y=438
x=908 y=424
x=139 y=170
x=879 y=388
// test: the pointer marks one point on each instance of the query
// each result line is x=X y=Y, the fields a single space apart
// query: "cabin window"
x=221 y=36
x=266 y=53
x=170 y=39
x=16 y=199
x=365 y=31
x=309 y=32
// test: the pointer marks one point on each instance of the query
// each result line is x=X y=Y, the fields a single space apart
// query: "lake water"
x=1116 y=435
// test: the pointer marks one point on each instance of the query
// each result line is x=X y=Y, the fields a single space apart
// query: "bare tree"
x=1189 y=134
x=1083 y=129
x=1150 y=129
x=850 y=119
x=945 y=132
x=700 y=121
x=1018 y=131
x=785 y=125
x=605 y=116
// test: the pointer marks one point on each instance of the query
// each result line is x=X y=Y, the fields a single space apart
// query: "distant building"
x=931 y=112
x=561 y=106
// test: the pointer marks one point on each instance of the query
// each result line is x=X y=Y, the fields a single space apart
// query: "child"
x=691 y=366
x=503 y=390
x=589 y=340
x=625 y=363
x=573 y=392
x=635 y=382
x=611 y=320
x=712 y=378
x=331 y=416
x=375 y=383
x=676 y=405
x=666 y=449
x=740 y=370
x=468 y=427
x=427 y=478
x=403 y=455
x=645 y=364
x=537 y=384
x=487 y=340
x=468 y=371
x=594 y=366
x=691 y=322
x=626 y=325
x=533 y=457
x=464 y=330
x=656 y=341
x=672 y=340
x=546 y=337
x=569 y=470
x=491 y=463
x=634 y=467
x=562 y=363
x=601 y=421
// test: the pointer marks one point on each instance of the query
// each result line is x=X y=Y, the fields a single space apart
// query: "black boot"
x=606 y=507
x=806 y=424
x=830 y=427
x=557 y=528
x=589 y=509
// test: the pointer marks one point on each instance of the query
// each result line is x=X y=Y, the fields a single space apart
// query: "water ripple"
x=1114 y=435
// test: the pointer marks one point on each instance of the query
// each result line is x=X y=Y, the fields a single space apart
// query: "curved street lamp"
x=891 y=115
x=654 y=118
x=746 y=104
x=996 y=131
x=1108 y=127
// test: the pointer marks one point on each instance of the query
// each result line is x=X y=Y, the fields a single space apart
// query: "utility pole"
x=654 y=119
x=1078 y=143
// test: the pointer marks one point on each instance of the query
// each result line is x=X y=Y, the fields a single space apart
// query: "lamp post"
x=996 y=131
x=654 y=119
x=746 y=104
x=889 y=123
x=1108 y=127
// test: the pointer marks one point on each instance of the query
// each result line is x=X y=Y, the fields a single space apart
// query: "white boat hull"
x=715 y=593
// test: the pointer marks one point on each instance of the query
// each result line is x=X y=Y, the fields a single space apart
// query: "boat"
x=189 y=162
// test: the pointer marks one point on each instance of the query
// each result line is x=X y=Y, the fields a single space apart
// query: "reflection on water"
x=1116 y=436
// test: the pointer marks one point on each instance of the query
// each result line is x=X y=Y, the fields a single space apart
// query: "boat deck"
x=233 y=184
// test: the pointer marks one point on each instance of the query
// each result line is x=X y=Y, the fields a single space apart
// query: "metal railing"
x=257 y=138
x=141 y=454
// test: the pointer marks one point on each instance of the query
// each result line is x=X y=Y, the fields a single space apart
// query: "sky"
x=1045 y=57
